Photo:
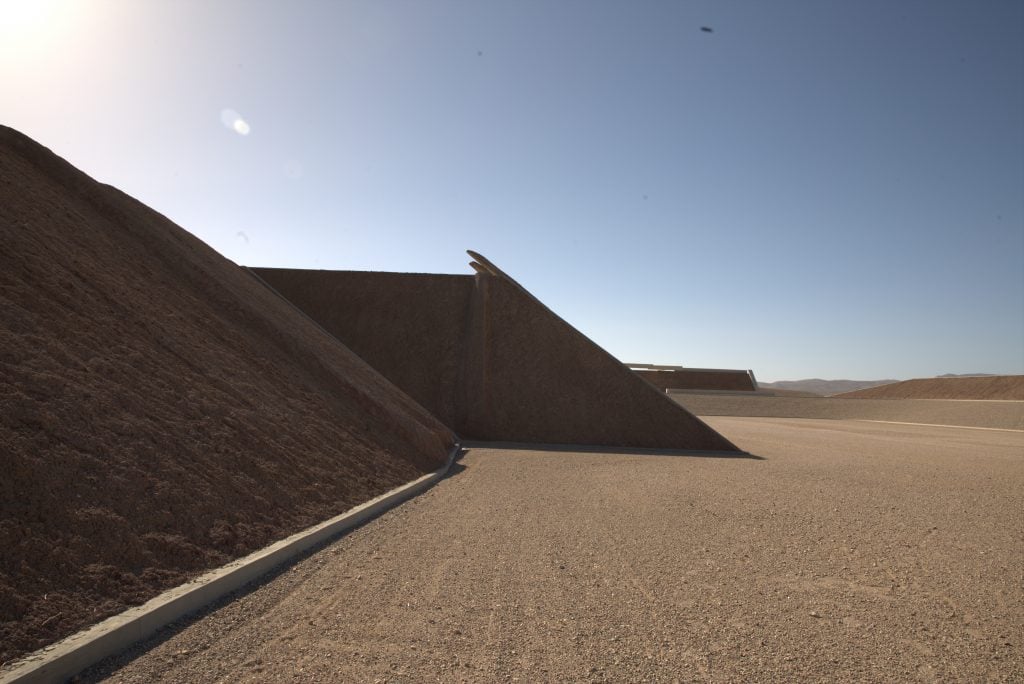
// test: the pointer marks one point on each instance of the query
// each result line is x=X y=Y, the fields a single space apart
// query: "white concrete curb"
x=68 y=657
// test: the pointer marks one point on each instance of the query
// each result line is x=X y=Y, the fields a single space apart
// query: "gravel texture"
x=847 y=552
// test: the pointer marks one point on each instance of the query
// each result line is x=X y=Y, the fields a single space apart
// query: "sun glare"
x=26 y=23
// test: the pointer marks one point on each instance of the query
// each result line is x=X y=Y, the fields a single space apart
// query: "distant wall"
x=1007 y=415
x=491 y=361
x=698 y=379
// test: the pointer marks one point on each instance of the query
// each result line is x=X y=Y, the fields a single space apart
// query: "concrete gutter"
x=68 y=657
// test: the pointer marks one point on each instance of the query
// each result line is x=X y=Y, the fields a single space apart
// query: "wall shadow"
x=610 y=450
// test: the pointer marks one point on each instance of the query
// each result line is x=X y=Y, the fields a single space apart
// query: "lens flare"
x=234 y=121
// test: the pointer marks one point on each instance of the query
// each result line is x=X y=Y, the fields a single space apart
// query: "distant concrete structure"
x=490 y=360
x=668 y=378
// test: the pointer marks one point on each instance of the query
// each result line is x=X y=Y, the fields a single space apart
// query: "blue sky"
x=814 y=189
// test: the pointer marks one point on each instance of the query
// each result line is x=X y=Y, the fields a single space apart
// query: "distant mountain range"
x=827 y=388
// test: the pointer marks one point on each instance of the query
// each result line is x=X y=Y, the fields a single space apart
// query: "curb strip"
x=66 y=658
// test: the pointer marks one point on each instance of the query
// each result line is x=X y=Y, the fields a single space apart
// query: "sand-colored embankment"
x=1007 y=415
x=160 y=411
x=490 y=360
x=695 y=379
x=994 y=387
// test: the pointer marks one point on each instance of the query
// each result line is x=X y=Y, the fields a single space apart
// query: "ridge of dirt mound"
x=490 y=360
x=161 y=412
x=1005 y=387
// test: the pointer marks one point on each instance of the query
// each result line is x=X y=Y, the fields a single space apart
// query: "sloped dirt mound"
x=161 y=412
x=1006 y=387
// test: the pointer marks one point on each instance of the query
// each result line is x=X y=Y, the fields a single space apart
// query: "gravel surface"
x=848 y=552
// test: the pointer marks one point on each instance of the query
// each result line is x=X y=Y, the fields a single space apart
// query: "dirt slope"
x=1008 y=387
x=490 y=360
x=160 y=411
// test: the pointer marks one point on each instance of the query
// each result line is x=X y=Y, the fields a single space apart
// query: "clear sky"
x=813 y=189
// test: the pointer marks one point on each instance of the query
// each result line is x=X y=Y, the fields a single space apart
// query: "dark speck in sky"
x=707 y=29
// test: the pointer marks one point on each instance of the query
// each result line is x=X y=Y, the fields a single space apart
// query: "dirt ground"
x=847 y=551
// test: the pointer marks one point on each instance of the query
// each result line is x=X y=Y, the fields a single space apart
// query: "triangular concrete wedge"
x=489 y=360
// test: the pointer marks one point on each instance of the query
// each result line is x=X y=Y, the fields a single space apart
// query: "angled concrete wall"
x=408 y=326
x=699 y=379
x=491 y=361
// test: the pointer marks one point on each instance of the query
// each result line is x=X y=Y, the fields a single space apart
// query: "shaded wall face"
x=533 y=377
x=490 y=361
x=738 y=381
x=408 y=326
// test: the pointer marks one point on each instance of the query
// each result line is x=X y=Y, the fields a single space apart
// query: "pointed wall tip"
x=486 y=263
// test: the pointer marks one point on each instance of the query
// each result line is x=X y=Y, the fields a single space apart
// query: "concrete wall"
x=989 y=414
x=537 y=379
x=409 y=326
x=491 y=361
x=696 y=379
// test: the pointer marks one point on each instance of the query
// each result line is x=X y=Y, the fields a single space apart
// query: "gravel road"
x=848 y=551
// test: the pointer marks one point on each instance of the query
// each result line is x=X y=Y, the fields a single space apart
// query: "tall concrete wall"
x=490 y=360
x=1005 y=415
x=698 y=379
x=409 y=326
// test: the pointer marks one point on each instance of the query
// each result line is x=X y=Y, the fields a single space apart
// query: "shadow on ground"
x=611 y=450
